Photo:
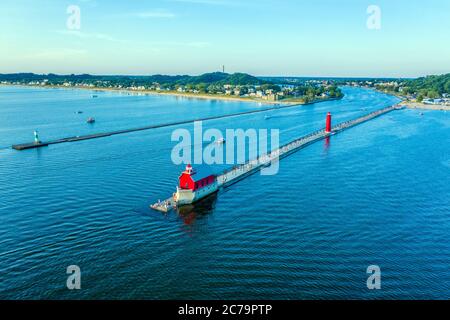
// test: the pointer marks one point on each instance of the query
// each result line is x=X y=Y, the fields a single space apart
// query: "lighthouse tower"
x=36 y=137
x=328 y=123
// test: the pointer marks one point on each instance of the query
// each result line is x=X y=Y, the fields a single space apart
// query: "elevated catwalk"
x=239 y=172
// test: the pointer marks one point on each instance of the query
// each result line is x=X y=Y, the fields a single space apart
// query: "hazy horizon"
x=351 y=39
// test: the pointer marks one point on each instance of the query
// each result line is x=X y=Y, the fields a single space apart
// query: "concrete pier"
x=164 y=206
x=32 y=145
x=239 y=172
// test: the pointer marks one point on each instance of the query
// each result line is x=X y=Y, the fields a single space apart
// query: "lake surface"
x=376 y=194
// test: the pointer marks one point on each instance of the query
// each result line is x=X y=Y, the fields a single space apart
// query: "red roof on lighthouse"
x=199 y=177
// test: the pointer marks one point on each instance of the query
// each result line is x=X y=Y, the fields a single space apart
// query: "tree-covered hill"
x=215 y=78
x=238 y=79
x=430 y=87
x=215 y=83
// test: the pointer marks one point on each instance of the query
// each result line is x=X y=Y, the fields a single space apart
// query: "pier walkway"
x=33 y=145
x=239 y=172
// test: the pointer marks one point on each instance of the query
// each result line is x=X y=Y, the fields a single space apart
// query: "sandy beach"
x=418 y=105
x=168 y=93
x=415 y=104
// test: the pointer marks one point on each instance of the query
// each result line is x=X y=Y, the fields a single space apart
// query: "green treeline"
x=238 y=84
x=432 y=87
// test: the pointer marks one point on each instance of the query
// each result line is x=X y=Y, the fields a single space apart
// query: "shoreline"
x=422 y=106
x=413 y=105
x=181 y=95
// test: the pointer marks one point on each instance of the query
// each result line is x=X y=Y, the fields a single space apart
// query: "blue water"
x=378 y=194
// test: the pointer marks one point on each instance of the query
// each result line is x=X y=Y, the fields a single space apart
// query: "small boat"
x=90 y=120
x=267 y=117
x=94 y=96
x=220 y=141
x=79 y=112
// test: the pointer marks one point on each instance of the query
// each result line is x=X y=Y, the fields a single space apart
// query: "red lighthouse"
x=328 y=124
x=193 y=180
x=195 y=185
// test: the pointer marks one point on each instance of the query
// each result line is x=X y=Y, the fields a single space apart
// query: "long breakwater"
x=33 y=145
x=241 y=171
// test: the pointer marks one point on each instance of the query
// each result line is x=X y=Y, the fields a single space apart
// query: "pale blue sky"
x=261 y=37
